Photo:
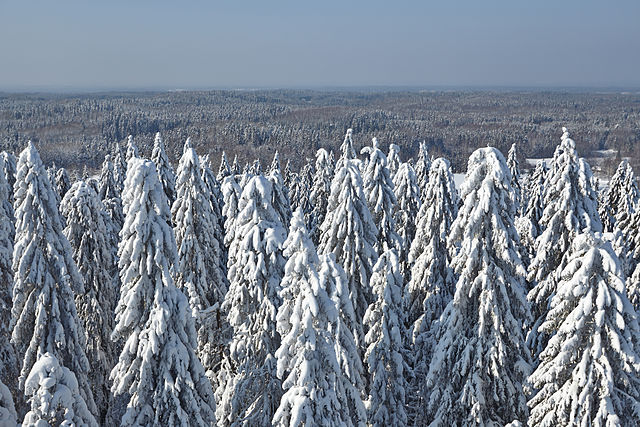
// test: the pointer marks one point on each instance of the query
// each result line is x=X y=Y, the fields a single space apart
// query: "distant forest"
x=78 y=130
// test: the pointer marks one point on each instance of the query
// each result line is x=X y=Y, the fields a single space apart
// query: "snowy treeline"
x=356 y=291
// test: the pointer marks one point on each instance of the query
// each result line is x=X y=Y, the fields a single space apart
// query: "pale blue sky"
x=207 y=44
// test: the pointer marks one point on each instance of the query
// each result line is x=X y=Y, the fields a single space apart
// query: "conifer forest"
x=368 y=279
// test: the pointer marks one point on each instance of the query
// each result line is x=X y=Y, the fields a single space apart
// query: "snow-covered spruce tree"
x=9 y=171
x=378 y=189
x=199 y=274
x=231 y=193
x=393 y=160
x=256 y=167
x=289 y=176
x=109 y=193
x=249 y=390
x=481 y=359
x=279 y=193
x=570 y=207
x=514 y=168
x=320 y=191
x=406 y=211
x=119 y=166
x=620 y=198
x=46 y=279
x=384 y=341
x=158 y=367
x=8 y=360
x=215 y=197
x=55 y=398
x=349 y=233
x=165 y=170
x=350 y=381
x=423 y=164
x=132 y=150
x=307 y=363
x=528 y=225
x=347 y=152
x=63 y=183
x=88 y=231
x=589 y=373
x=235 y=167
x=224 y=170
x=299 y=192
x=8 y=416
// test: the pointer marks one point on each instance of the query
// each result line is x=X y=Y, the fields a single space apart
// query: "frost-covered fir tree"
x=216 y=201
x=165 y=170
x=9 y=170
x=393 y=160
x=158 y=367
x=423 y=164
x=8 y=360
x=432 y=283
x=349 y=233
x=279 y=193
x=481 y=359
x=8 y=416
x=224 y=170
x=299 y=192
x=406 y=211
x=132 y=150
x=528 y=225
x=63 y=183
x=231 y=193
x=235 y=167
x=570 y=207
x=88 y=231
x=350 y=381
x=347 y=152
x=55 y=398
x=46 y=279
x=514 y=168
x=199 y=274
x=249 y=391
x=384 y=341
x=109 y=193
x=307 y=363
x=620 y=199
x=119 y=166
x=378 y=189
x=320 y=191
x=589 y=373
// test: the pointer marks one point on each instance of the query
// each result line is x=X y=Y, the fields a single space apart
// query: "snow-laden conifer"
x=231 y=193
x=8 y=360
x=589 y=373
x=224 y=170
x=481 y=359
x=349 y=233
x=109 y=193
x=119 y=166
x=215 y=200
x=199 y=274
x=514 y=168
x=132 y=150
x=431 y=286
x=299 y=192
x=307 y=362
x=8 y=416
x=378 y=189
x=9 y=170
x=62 y=182
x=164 y=168
x=528 y=225
x=249 y=390
x=393 y=160
x=384 y=341
x=55 y=398
x=235 y=167
x=46 y=279
x=88 y=231
x=279 y=193
x=320 y=190
x=621 y=198
x=570 y=207
x=347 y=152
x=350 y=381
x=405 y=212
x=423 y=164
x=158 y=367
